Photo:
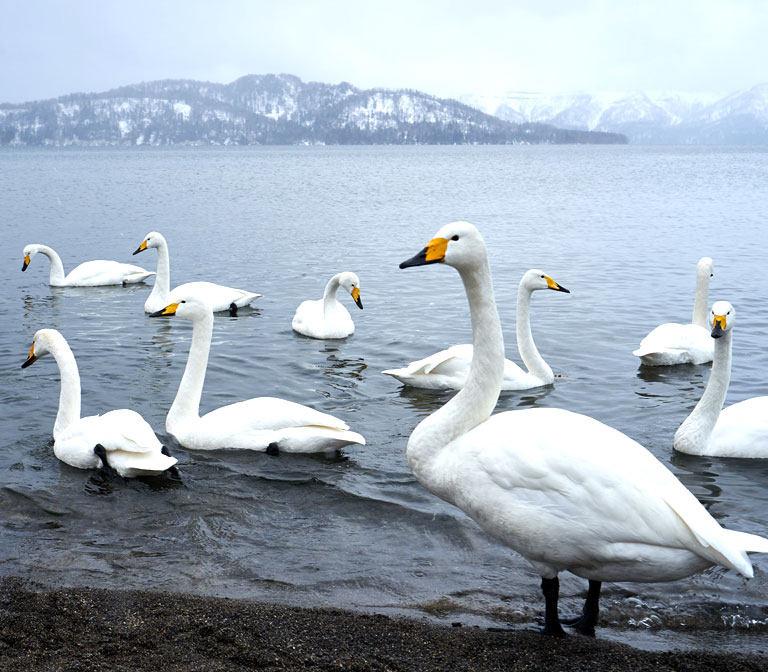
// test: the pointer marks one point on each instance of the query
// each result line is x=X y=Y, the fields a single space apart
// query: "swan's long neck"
x=69 y=396
x=187 y=403
x=57 y=268
x=533 y=361
x=701 y=302
x=477 y=399
x=698 y=426
x=329 y=296
x=162 y=286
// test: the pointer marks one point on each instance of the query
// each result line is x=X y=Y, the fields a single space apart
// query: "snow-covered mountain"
x=265 y=109
x=660 y=118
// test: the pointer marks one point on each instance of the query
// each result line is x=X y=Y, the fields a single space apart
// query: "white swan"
x=327 y=317
x=121 y=440
x=562 y=489
x=89 y=273
x=220 y=297
x=448 y=369
x=741 y=430
x=673 y=343
x=264 y=423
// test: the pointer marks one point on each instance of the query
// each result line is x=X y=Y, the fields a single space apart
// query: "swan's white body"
x=448 y=369
x=219 y=297
x=253 y=424
x=672 y=343
x=88 y=274
x=741 y=430
x=327 y=317
x=564 y=490
x=131 y=446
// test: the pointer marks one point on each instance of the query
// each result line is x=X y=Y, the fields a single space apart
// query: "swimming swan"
x=562 y=489
x=448 y=369
x=673 y=343
x=220 y=297
x=327 y=317
x=741 y=430
x=89 y=273
x=264 y=423
x=121 y=440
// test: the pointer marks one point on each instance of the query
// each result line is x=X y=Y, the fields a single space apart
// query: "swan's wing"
x=270 y=413
x=451 y=361
x=102 y=272
x=741 y=430
x=127 y=431
x=676 y=338
x=220 y=297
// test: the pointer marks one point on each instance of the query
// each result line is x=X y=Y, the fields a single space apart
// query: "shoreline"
x=45 y=628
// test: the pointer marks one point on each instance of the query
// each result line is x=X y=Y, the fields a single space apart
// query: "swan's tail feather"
x=751 y=543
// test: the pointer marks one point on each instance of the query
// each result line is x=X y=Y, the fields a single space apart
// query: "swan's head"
x=188 y=308
x=29 y=252
x=351 y=283
x=43 y=342
x=153 y=239
x=535 y=279
x=721 y=317
x=705 y=268
x=458 y=244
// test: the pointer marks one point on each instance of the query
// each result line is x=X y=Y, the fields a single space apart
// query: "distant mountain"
x=268 y=110
x=738 y=119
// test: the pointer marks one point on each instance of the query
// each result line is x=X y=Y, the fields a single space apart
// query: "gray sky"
x=52 y=47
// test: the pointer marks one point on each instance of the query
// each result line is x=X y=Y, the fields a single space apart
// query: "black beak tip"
x=563 y=289
x=159 y=313
x=359 y=304
x=138 y=249
x=24 y=266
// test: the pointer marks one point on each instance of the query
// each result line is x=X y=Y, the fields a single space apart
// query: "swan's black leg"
x=101 y=453
x=272 y=449
x=173 y=471
x=551 y=590
x=585 y=624
x=232 y=309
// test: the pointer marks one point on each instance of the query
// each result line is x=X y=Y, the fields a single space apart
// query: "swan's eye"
x=455 y=237
x=542 y=276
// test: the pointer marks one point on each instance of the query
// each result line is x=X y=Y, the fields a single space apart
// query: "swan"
x=327 y=317
x=264 y=423
x=673 y=343
x=220 y=297
x=89 y=273
x=119 y=440
x=741 y=430
x=562 y=489
x=448 y=369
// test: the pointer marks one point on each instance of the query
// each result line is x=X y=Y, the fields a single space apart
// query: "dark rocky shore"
x=115 y=630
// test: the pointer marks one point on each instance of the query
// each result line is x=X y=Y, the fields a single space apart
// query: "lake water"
x=621 y=227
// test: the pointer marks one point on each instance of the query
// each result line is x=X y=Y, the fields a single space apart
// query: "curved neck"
x=162 y=286
x=186 y=405
x=69 y=396
x=476 y=400
x=701 y=302
x=329 y=295
x=533 y=361
x=57 y=268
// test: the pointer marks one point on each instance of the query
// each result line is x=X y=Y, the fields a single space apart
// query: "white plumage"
x=327 y=317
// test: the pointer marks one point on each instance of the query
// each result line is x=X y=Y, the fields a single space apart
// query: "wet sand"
x=90 y=629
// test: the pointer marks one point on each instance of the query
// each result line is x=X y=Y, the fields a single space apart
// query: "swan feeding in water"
x=120 y=440
x=327 y=317
x=562 y=489
x=740 y=430
x=220 y=297
x=88 y=274
x=673 y=343
x=263 y=423
x=448 y=369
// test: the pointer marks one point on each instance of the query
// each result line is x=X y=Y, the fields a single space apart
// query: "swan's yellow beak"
x=31 y=359
x=26 y=262
x=433 y=253
x=141 y=247
x=166 y=312
x=718 y=326
x=356 y=297
x=553 y=285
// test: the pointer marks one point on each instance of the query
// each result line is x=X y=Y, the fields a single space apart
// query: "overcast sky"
x=448 y=48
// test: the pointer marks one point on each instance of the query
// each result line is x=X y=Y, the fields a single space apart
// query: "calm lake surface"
x=621 y=227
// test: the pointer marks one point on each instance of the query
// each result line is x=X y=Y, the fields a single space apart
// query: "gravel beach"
x=91 y=629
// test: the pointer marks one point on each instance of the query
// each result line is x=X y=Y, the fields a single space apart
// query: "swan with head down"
x=562 y=489
x=327 y=317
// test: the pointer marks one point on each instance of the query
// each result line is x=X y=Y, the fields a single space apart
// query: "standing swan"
x=673 y=343
x=741 y=430
x=562 y=489
x=121 y=440
x=327 y=317
x=448 y=369
x=89 y=273
x=219 y=297
x=264 y=423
